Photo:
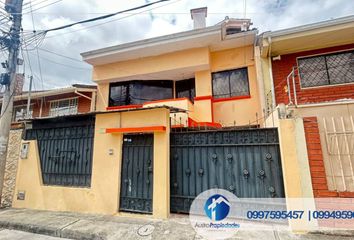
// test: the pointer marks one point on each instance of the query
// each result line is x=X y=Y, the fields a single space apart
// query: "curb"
x=61 y=233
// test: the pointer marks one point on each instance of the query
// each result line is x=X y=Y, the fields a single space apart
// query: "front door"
x=137 y=173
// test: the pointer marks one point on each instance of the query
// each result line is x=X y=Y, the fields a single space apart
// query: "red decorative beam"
x=125 y=107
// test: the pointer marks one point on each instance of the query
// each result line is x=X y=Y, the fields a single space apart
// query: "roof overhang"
x=210 y=37
x=50 y=93
x=308 y=37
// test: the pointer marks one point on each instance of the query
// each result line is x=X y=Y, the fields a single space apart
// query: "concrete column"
x=295 y=164
x=296 y=171
x=161 y=185
x=203 y=107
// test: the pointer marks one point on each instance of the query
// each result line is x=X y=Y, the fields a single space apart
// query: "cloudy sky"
x=164 y=18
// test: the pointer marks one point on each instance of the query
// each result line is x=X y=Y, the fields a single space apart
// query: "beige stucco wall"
x=203 y=83
x=295 y=165
x=103 y=195
x=102 y=96
x=242 y=111
x=197 y=59
x=267 y=82
x=177 y=118
x=13 y=153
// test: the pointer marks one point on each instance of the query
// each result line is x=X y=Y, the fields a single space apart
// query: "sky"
x=54 y=71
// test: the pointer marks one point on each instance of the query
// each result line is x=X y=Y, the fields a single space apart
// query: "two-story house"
x=176 y=115
x=310 y=69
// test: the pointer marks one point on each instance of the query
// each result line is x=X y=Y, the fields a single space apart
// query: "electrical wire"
x=38 y=59
x=8 y=104
x=36 y=38
x=32 y=3
x=104 y=16
x=96 y=25
x=60 y=55
x=43 y=7
x=49 y=60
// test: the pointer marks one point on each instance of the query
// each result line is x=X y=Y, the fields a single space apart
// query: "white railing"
x=291 y=76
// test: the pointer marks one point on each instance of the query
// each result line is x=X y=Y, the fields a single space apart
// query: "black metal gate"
x=137 y=173
x=244 y=162
x=65 y=146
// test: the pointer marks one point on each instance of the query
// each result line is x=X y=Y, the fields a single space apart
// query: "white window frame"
x=14 y=118
x=72 y=109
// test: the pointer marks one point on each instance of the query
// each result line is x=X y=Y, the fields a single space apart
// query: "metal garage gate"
x=244 y=162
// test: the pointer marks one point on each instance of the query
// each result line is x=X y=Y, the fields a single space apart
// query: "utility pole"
x=13 y=7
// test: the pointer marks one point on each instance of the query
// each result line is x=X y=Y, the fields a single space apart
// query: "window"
x=233 y=30
x=63 y=107
x=137 y=92
x=185 y=89
x=329 y=69
x=20 y=112
x=119 y=94
x=231 y=83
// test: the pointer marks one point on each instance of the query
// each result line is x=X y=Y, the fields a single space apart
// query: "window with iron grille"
x=329 y=69
x=185 y=89
x=63 y=107
x=231 y=83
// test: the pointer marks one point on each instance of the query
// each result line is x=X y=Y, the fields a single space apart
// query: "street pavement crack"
x=67 y=225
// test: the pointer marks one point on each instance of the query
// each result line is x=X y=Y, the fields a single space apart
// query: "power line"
x=99 y=24
x=38 y=60
x=74 y=59
x=39 y=36
x=43 y=6
x=33 y=3
x=104 y=16
x=155 y=13
x=65 y=65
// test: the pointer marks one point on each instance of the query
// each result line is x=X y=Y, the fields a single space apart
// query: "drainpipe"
x=270 y=70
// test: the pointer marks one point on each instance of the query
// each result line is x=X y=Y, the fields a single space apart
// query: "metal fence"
x=65 y=149
x=244 y=162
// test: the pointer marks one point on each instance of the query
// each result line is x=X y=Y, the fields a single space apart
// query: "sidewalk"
x=89 y=226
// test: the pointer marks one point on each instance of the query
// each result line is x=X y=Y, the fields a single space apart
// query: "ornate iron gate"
x=244 y=162
x=137 y=173
x=65 y=147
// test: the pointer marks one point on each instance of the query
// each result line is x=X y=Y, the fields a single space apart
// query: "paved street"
x=18 y=235
x=89 y=226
